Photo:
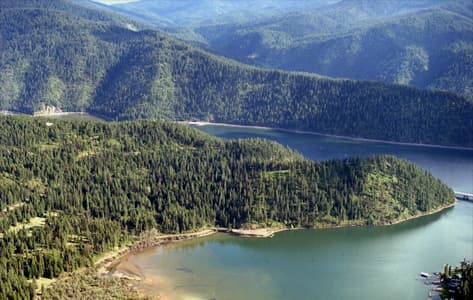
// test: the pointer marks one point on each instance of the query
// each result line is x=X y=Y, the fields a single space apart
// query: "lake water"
x=344 y=263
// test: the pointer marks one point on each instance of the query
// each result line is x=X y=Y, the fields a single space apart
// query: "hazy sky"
x=109 y=2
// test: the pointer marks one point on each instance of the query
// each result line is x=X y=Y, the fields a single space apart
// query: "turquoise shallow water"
x=344 y=263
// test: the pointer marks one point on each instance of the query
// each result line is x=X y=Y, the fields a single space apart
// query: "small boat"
x=423 y=274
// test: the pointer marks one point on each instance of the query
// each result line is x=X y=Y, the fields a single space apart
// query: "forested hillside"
x=72 y=190
x=54 y=56
x=171 y=13
x=431 y=48
x=83 y=11
x=424 y=43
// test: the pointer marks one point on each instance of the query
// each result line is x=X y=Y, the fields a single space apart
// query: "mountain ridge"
x=74 y=64
x=321 y=39
x=435 y=61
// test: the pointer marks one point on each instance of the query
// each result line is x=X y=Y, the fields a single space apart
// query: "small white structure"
x=463 y=196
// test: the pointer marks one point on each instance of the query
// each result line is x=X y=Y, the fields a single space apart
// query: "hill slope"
x=55 y=57
x=210 y=12
x=72 y=190
x=424 y=43
x=430 y=48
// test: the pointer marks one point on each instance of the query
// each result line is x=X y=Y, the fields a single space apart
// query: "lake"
x=453 y=166
x=343 y=263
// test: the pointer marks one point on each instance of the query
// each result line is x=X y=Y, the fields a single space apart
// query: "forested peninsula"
x=59 y=54
x=70 y=190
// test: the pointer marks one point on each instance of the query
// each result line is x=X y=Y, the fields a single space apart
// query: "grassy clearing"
x=42 y=282
x=85 y=154
x=277 y=173
x=36 y=184
x=380 y=186
x=87 y=285
x=52 y=213
x=49 y=146
x=74 y=240
x=113 y=143
x=382 y=178
x=34 y=222
x=7 y=179
x=13 y=207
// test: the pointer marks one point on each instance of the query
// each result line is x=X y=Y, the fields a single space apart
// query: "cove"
x=342 y=263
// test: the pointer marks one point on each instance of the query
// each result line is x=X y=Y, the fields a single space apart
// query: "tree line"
x=56 y=55
x=97 y=185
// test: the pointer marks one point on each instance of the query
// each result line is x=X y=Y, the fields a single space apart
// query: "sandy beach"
x=111 y=261
x=127 y=269
x=257 y=233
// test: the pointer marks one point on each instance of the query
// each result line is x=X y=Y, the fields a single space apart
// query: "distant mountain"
x=87 y=10
x=210 y=12
x=425 y=43
x=54 y=53
x=432 y=48
x=179 y=18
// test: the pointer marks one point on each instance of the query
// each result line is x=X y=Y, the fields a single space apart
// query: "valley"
x=234 y=149
x=126 y=75
x=421 y=43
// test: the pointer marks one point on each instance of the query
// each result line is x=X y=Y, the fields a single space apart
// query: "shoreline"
x=437 y=210
x=359 y=139
x=54 y=115
x=205 y=123
x=59 y=113
x=112 y=259
x=116 y=263
x=264 y=232
x=257 y=233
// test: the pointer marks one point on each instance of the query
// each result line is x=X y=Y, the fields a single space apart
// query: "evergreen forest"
x=56 y=53
x=70 y=190
x=424 y=43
